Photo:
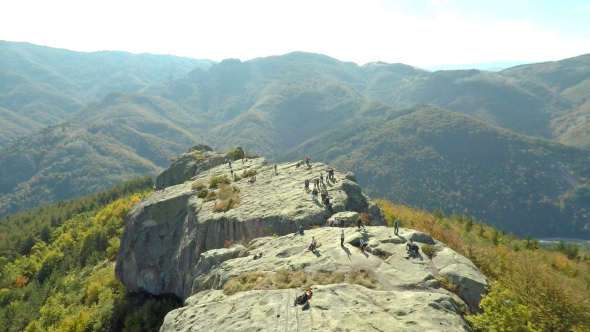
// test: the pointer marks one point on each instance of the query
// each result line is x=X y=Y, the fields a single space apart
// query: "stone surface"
x=409 y=296
x=166 y=233
x=386 y=256
x=337 y=307
x=183 y=167
x=349 y=217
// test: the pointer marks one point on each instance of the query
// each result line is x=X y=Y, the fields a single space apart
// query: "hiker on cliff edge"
x=342 y=238
x=395 y=226
x=307 y=160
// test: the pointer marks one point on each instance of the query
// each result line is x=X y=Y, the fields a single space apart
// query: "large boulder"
x=185 y=166
x=166 y=233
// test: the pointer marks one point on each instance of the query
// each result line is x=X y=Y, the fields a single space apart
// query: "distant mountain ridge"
x=44 y=84
x=272 y=105
x=486 y=66
x=432 y=158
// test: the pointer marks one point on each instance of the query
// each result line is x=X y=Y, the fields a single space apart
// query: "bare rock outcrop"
x=337 y=307
x=183 y=167
x=408 y=297
x=167 y=232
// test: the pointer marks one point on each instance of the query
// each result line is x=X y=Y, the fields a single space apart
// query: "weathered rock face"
x=337 y=307
x=185 y=166
x=166 y=233
x=410 y=297
x=385 y=255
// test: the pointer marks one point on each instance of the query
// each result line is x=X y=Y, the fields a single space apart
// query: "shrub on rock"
x=428 y=250
x=216 y=181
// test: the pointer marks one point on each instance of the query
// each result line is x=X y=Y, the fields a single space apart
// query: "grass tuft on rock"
x=198 y=185
x=229 y=198
x=219 y=180
x=284 y=279
x=211 y=196
x=428 y=249
x=203 y=193
x=249 y=173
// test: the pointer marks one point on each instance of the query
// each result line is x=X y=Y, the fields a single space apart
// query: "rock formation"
x=409 y=295
x=166 y=233
x=174 y=243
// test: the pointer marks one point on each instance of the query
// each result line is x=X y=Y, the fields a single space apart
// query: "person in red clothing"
x=302 y=300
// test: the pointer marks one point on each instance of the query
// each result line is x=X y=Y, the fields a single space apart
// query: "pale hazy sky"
x=416 y=32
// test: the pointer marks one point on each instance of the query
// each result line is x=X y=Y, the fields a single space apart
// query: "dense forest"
x=433 y=158
x=56 y=267
x=276 y=104
x=58 y=274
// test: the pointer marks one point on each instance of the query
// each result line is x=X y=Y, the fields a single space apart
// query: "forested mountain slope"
x=270 y=105
x=45 y=84
x=434 y=158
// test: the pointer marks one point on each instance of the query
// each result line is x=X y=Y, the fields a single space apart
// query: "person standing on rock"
x=307 y=160
x=232 y=172
x=342 y=238
x=314 y=194
x=275 y=169
x=312 y=244
x=395 y=226
x=322 y=178
x=359 y=223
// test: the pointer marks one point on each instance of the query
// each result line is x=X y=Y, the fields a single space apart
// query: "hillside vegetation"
x=56 y=267
x=534 y=289
x=44 y=84
x=271 y=105
x=433 y=158
x=64 y=280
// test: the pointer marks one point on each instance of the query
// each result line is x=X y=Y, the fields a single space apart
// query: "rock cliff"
x=174 y=243
x=167 y=232
x=407 y=294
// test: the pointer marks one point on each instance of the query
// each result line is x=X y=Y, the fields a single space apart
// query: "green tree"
x=530 y=244
x=501 y=313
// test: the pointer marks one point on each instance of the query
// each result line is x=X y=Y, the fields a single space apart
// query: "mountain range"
x=487 y=66
x=507 y=147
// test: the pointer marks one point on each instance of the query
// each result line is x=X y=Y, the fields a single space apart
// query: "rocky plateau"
x=174 y=243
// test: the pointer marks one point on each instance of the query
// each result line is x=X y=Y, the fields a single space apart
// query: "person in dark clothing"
x=302 y=299
x=314 y=194
x=412 y=247
x=359 y=223
x=275 y=168
x=300 y=231
x=395 y=226
x=363 y=245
